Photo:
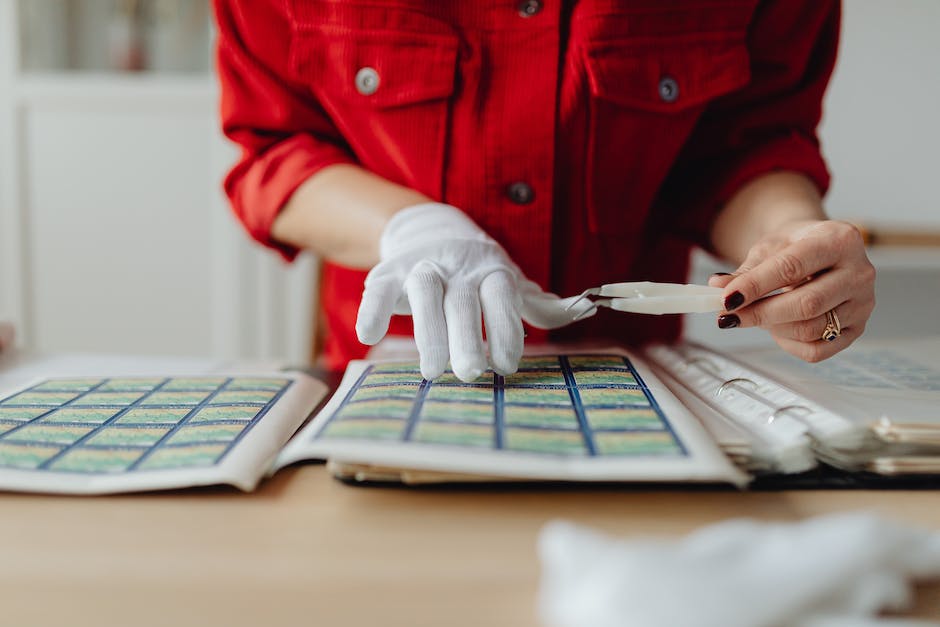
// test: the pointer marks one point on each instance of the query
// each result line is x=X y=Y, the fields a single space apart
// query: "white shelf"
x=905 y=257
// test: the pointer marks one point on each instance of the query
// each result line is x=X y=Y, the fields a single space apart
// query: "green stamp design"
x=394 y=377
x=387 y=391
x=71 y=413
x=193 y=383
x=226 y=412
x=479 y=413
x=127 y=436
x=539 y=363
x=546 y=417
x=108 y=398
x=623 y=418
x=147 y=415
x=536 y=377
x=25 y=456
x=407 y=367
x=366 y=429
x=242 y=396
x=543 y=441
x=49 y=434
x=613 y=396
x=22 y=414
x=40 y=398
x=96 y=460
x=82 y=384
x=587 y=362
x=190 y=434
x=131 y=384
x=378 y=408
x=539 y=396
x=183 y=457
x=478 y=393
x=638 y=443
x=174 y=398
x=257 y=383
x=458 y=434
x=604 y=377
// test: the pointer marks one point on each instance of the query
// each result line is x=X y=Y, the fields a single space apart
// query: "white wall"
x=881 y=126
x=114 y=236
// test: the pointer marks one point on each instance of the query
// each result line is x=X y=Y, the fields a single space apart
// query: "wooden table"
x=305 y=549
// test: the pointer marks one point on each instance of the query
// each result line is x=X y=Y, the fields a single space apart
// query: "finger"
x=790 y=266
x=819 y=350
x=375 y=310
x=812 y=330
x=811 y=300
x=464 y=331
x=504 y=331
x=720 y=279
x=425 y=292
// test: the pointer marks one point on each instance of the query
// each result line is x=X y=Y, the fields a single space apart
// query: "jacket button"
x=528 y=8
x=367 y=81
x=520 y=193
x=668 y=89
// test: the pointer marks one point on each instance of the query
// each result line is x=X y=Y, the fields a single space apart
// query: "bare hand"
x=791 y=278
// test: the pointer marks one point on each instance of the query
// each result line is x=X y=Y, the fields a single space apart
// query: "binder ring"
x=731 y=382
x=789 y=408
x=701 y=362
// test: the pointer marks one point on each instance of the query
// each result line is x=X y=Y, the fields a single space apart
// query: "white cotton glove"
x=443 y=270
x=832 y=571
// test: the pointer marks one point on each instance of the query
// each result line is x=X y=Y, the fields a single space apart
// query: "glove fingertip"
x=471 y=375
x=504 y=370
x=369 y=333
x=506 y=362
x=429 y=374
x=433 y=366
x=470 y=370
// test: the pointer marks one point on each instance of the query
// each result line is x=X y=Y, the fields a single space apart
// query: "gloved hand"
x=443 y=270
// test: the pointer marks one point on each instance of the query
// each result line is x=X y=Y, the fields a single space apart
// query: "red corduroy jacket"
x=595 y=140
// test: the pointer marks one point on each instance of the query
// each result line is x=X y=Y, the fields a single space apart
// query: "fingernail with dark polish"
x=734 y=300
x=728 y=321
x=721 y=274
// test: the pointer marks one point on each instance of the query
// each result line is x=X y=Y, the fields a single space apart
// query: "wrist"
x=424 y=223
x=768 y=204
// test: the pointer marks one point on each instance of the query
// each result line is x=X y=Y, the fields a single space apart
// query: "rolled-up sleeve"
x=284 y=135
x=768 y=125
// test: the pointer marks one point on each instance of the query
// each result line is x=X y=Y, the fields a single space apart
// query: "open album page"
x=95 y=434
x=575 y=417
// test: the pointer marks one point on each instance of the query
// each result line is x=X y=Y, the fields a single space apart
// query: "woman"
x=469 y=155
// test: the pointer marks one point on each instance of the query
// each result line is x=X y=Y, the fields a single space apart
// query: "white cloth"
x=832 y=571
x=443 y=270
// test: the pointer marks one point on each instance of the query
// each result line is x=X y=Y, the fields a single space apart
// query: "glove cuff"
x=425 y=223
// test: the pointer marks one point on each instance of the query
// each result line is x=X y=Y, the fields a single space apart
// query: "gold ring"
x=833 y=326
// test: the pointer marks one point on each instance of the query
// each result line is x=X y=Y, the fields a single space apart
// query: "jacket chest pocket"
x=388 y=93
x=646 y=97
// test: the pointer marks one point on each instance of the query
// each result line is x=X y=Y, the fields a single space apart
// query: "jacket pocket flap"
x=376 y=68
x=666 y=76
